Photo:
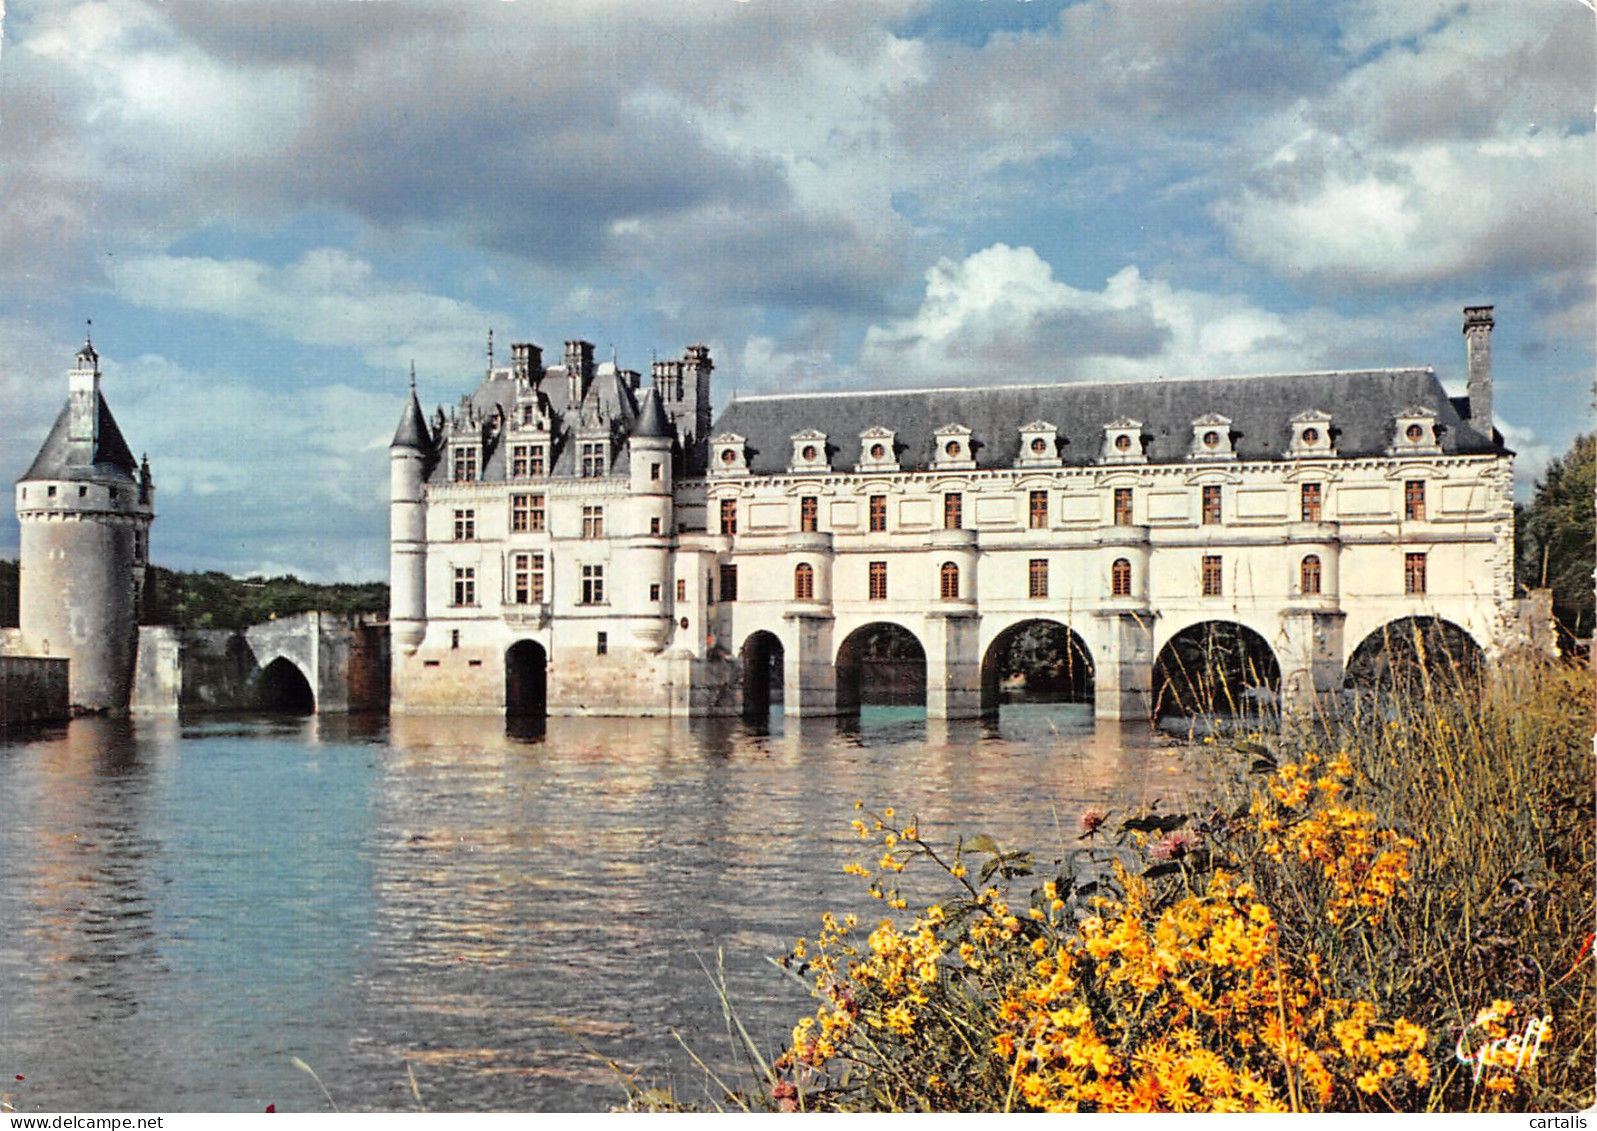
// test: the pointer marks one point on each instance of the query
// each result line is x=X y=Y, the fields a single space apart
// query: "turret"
x=408 y=457
x=652 y=509
x=85 y=508
x=1478 y=347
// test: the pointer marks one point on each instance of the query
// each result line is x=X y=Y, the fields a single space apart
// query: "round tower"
x=653 y=507
x=408 y=457
x=85 y=508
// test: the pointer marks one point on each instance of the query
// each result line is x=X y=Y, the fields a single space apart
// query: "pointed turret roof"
x=412 y=431
x=652 y=424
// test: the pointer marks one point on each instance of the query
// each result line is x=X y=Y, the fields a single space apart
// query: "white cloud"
x=1531 y=456
x=327 y=297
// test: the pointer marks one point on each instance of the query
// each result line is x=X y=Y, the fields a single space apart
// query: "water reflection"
x=201 y=901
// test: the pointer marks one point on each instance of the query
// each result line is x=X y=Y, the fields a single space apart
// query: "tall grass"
x=1363 y=898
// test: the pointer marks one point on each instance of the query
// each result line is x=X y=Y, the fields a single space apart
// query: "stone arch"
x=1215 y=668
x=282 y=686
x=1049 y=659
x=762 y=659
x=526 y=680
x=880 y=664
x=1409 y=653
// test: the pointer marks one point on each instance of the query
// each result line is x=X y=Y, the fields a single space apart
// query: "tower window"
x=1213 y=578
x=654 y=472
x=654 y=524
x=1311 y=502
x=1309 y=575
x=878 y=514
x=948 y=582
x=1122 y=506
x=1038 y=510
x=953 y=510
x=1120 y=578
x=1211 y=505
x=1414 y=574
x=682 y=589
x=1037 y=578
x=809 y=514
x=729 y=516
x=804 y=582
x=877 y=590
x=1414 y=500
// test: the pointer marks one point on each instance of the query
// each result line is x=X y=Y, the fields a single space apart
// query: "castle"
x=566 y=541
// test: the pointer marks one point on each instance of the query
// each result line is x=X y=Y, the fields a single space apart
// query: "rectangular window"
x=729 y=583
x=602 y=643
x=527 y=579
x=1211 y=505
x=809 y=513
x=593 y=585
x=593 y=463
x=729 y=516
x=535 y=513
x=878 y=581
x=654 y=472
x=654 y=524
x=465 y=586
x=1311 y=502
x=1414 y=574
x=520 y=514
x=682 y=589
x=1037 y=578
x=1039 y=510
x=953 y=510
x=1212 y=577
x=520 y=461
x=537 y=579
x=1122 y=506
x=654 y=592
x=535 y=462
x=465 y=525
x=593 y=522
x=465 y=463
x=1414 y=500
x=878 y=514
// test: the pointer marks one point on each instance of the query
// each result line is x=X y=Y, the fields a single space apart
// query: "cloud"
x=327 y=297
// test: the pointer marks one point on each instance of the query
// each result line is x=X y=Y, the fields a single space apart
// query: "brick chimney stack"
x=1478 y=344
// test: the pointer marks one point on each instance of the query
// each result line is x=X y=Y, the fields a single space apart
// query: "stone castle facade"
x=568 y=541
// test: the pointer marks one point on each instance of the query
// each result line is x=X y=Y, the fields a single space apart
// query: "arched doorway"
x=880 y=665
x=1407 y=654
x=762 y=658
x=1036 y=661
x=281 y=687
x=1215 y=668
x=526 y=680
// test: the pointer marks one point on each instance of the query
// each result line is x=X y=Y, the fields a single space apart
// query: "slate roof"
x=1361 y=404
x=412 y=431
x=61 y=458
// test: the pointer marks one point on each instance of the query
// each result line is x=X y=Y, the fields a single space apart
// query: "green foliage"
x=1557 y=535
x=215 y=600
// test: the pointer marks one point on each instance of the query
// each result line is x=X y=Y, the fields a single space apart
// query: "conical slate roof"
x=412 y=431
x=652 y=424
x=62 y=458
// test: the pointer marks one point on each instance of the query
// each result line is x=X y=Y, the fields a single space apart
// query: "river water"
x=189 y=905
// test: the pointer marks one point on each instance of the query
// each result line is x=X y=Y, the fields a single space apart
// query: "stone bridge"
x=311 y=663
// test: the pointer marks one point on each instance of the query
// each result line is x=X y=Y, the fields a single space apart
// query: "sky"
x=271 y=209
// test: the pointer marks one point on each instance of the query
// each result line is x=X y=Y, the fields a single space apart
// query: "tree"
x=1558 y=536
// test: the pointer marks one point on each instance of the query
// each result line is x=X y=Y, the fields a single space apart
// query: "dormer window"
x=730 y=455
x=1211 y=438
x=809 y=451
x=1311 y=435
x=1415 y=432
x=1122 y=442
x=595 y=459
x=953 y=450
x=878 y=451
x=1039 y=445
x=466 y=456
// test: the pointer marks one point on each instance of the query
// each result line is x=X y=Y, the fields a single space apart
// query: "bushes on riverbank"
x=1391 y=912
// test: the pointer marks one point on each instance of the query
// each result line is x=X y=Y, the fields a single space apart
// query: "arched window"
x=803 y=582
x=1309 y=575
x=1120 y=578
x=950 y=582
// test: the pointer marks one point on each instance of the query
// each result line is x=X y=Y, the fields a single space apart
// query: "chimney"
x=526 y=360
x=83 y=399
x=579 y=370
x=1478 y=345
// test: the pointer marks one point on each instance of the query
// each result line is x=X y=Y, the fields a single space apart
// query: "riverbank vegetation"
x=1356 y=914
